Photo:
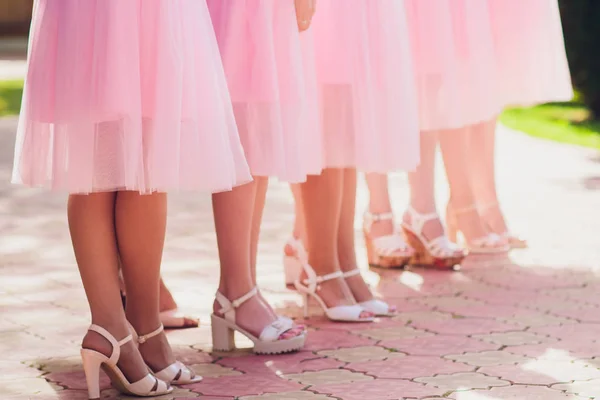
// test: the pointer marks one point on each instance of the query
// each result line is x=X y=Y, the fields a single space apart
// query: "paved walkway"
x=520 y=328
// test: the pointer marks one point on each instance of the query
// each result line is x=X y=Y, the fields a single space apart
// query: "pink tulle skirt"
x=126 y=95
x=367 y=96
x=455 y=63
x=272 y=86
x=530 y=48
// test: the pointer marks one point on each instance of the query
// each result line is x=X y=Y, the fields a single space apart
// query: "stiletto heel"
x=91 y=368
x=438 y=253
x=148 y=386
x=388 y=251
x=305 y=300
x=269 y=340
x=491 y=243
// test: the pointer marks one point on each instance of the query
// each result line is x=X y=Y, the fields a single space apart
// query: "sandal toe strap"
x=389 y=244
x=176 y=370
x=274 y=330
x=442 y=247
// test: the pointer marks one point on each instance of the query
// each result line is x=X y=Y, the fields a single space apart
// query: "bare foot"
x=168 y=303
x=157 y=352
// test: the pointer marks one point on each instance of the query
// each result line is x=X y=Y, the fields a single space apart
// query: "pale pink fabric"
x=455 y=62
x=272 y=86
x=126 y=95
x=367 y=95
x=530 y=48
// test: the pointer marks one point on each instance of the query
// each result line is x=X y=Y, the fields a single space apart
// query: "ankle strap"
x=116 y=345
x=228 y=307
x=488 y=206
x=370 y=218
x=418 y=220
x=354 y=272
x=144 y=338
x=462 y=210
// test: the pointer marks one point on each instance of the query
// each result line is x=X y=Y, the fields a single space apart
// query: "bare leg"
x=234 y=213
x=140 y=226
x=322 y=200
x=454 y=146
x=379 y=203
x=346 y=238
x=262 y=184
x=482 y=145
x=422 y=186
x=92 y=227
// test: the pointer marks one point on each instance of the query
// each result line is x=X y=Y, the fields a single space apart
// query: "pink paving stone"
x=543 y=372
x=439 y=345
x=325 y=340
x=281 y=364
x=323 y=324
x=191 y=356
x=558 y=350
x=485 y=310
x=251 y=384
x=529 y=281
x=409 y=367
x=584 y=314
x=571 y=332
x=75 y=380
x=378 y=389
x=504 y=296
x=464 y=326
x=517 y=392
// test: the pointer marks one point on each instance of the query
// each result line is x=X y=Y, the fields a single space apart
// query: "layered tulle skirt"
x=455 y=62
x=367 y=99
x=126 y=95
x=532 y=62
x=272 y=86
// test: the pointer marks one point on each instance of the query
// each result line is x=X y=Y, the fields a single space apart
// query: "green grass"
x=562 y=122
x=10 y=97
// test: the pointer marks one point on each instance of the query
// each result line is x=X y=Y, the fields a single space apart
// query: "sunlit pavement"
x=524 y=327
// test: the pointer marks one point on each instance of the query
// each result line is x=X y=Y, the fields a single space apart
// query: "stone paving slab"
x=519 y=327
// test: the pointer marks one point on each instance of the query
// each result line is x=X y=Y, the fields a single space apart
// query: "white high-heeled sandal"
x=177 y=373
x=439 y=253
x=378 y=307
x=389 y=251
x=148 y=386
x=294 y=265
x=268 y=342
x=308 y=288
x=491 y=243
x=514 y=241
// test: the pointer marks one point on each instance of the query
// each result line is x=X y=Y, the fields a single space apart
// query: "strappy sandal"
x=177 y=373
x=438 y=253
x=268 y=342
x=389 y=251
x=491 y=243
x=148 y=386
x=378 y=307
